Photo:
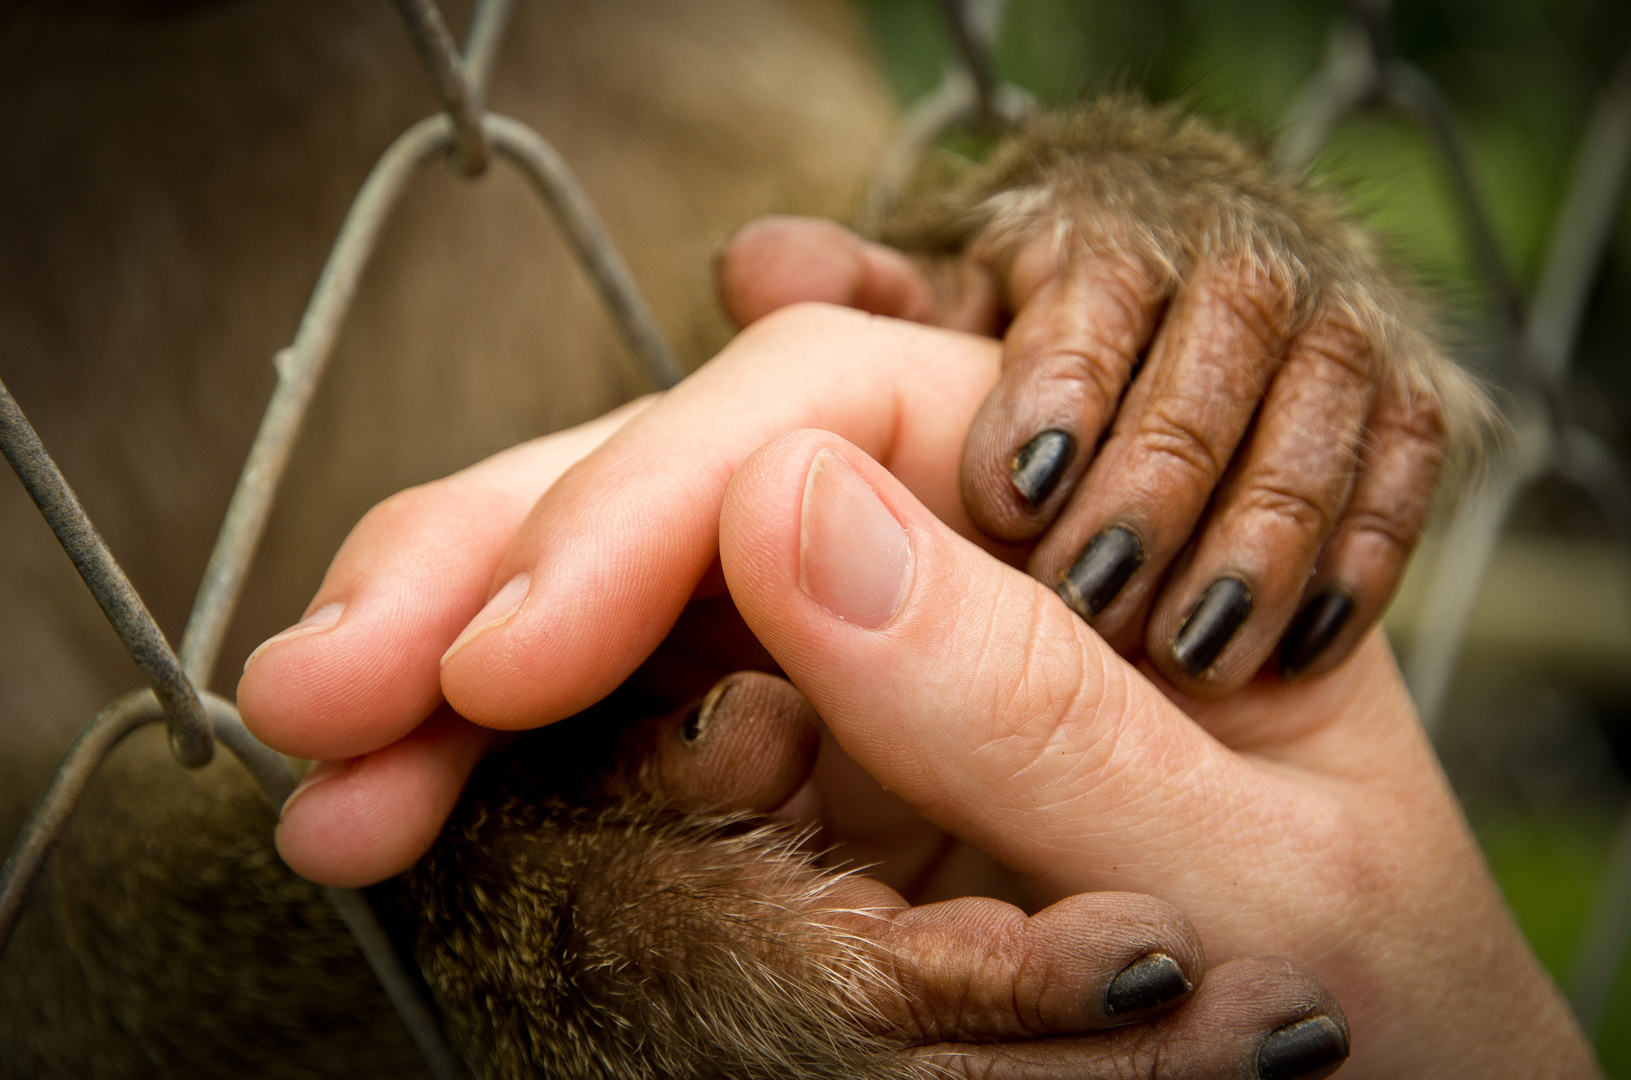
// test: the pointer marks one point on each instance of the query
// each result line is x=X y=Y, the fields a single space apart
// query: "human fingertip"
x=1102 y=569
x=1316 y=626
x=1306 y=1050
x=324 y=618
x=1148 y=983
x=505 y=603
x=1211 y=625
x=854 y=556
x=1037 y=468
x=321 y=774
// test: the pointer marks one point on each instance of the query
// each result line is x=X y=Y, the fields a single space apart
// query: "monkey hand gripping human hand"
x=621 y=895
x=616 y=898
x=1217 y=410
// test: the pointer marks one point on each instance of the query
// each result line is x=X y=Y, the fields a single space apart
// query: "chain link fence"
x=1362 y=70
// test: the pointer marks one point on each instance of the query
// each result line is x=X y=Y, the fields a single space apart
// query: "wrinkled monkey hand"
x=1217 y=413
x=681 y=932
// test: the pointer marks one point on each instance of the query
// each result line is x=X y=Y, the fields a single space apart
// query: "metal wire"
x=969 y=95
x=1361 y=68
x=465 y=132
x=189 y=732
x=596 y=253
x=481 y=40
x=460 y=98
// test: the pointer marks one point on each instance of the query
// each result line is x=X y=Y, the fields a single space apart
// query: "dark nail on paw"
x=1313 y=630
x=1202 y=638
x=1309 y=1048
x=695 y=724
x=1040 y=463
x=1103 y=567
x=1145 y=983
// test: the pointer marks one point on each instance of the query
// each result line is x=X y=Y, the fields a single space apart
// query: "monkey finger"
x=1365 y=556
x=1168 y=449
x=1220 y=615
x=979 y=970
x=1066 y=361
x=776 y=262
x=749 y=744
x=1257 y=1018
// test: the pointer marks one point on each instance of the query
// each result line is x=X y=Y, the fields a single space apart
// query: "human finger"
x=1221 y=613
x=775 y=262
x=612 y=552
x=1172 y=440
x=361 y=669
x=1066 y=362
x=1256 y=1018
x=970 y=691
x=1361 y=563
x=354 y=822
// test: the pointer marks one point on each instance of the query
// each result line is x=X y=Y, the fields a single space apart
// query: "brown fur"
x=1167 y=189
x=178 y=182
x=568 y=925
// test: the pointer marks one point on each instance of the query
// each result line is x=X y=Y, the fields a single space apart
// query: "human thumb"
x=969 y=689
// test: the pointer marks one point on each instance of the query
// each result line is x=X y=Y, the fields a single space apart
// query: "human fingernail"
x=1145 y=983
x=1100 y=571
x=854 y=557
x=505 y=602
x=320 y=774
x=1040 y=463
x=1313 y=630
x=1304 y=1050
x=324 y=618
x=1222 y=608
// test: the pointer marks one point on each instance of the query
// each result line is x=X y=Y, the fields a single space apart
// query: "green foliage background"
x=1521 y=76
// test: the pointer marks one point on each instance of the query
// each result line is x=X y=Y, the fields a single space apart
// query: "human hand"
x=635 y=897
x=1308 y=820
x=1216 y=411
x=613 y=557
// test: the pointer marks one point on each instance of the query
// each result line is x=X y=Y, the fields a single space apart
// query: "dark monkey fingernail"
x=1223 y=607
x=1040 y=463
x=1145 y=983
x=1302 y=1050
x=1100 y=571
x=1313 y=630
x=697 y=720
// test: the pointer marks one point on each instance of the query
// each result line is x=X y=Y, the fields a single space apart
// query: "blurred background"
x=1487 y=141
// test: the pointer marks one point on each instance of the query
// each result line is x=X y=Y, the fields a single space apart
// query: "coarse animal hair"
x=569 y=924
x=1162 y=187
x=632 y=940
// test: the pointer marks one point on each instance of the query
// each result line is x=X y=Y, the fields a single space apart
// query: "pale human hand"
x=614 y=551
x=1220 y=470
x=974 y=981
x=1309 y=820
